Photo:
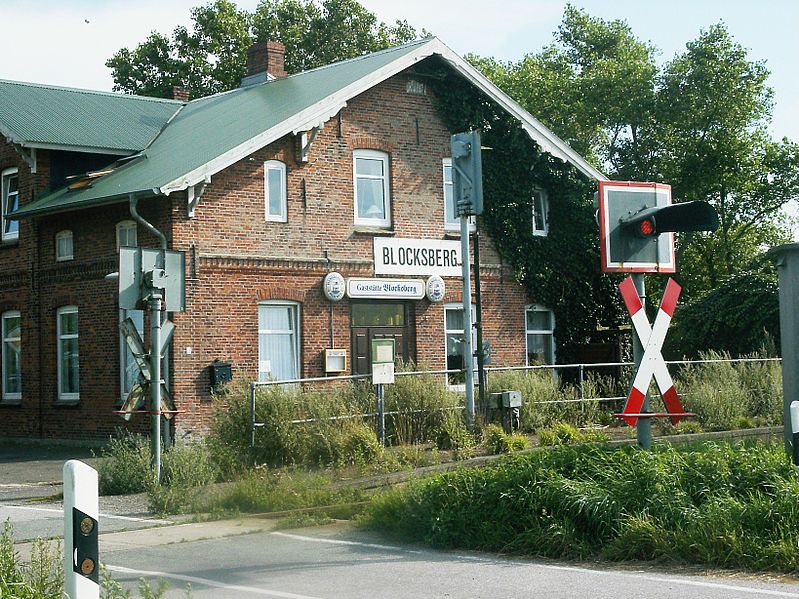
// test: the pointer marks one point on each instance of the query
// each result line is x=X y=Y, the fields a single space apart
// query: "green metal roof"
x=34 y=115
x=209 y=127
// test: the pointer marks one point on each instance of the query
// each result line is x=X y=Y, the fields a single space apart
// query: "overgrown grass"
x=717 y=504
x=731 y=395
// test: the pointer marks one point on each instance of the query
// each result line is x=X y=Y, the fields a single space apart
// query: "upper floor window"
x=275 y=191
x=540 y=335
x=540 y=213
x=10 y=202
x=63 y=246
x=371 y=179
x=127 y=234
x=12 y=356
x=68 y=362
x=452 y=221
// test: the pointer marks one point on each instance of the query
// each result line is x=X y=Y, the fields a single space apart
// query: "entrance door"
x=380 y=320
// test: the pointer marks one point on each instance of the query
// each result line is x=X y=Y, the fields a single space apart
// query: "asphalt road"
x=340 y=562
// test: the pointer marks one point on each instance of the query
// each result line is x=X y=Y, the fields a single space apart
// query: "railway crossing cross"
x=652 y=363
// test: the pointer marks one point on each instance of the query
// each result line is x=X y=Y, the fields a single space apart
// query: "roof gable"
x=212 y=133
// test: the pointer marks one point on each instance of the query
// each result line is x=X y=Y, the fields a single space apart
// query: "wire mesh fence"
x=723 y=391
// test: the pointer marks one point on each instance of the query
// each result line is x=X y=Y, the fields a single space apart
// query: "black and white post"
x=81 y=515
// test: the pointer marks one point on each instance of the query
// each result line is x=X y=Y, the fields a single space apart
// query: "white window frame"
x=60 y=338
x=541 y=195
x=125 y=355
x=280 y=167
x=62 y=236
x=453 y=226
x=5 y=176
x=458 y=307
x=384 y=222
x=127 y=226
x=263 y=374
x=8 y=397
x=549 y=332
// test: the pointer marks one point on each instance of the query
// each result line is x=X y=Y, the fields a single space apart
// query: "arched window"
x=278 y=341
x=275 y=208
x=372 y=191
x=63 y=246
x=127 y=234
x=12 y=356
x=9 y=201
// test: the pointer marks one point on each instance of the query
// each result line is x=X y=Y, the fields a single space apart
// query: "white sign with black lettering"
x=417 y=257
x=386 y=288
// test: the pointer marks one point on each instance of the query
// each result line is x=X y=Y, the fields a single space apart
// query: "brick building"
x=268 y=189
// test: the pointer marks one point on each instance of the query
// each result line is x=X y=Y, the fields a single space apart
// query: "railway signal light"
x=467 y=173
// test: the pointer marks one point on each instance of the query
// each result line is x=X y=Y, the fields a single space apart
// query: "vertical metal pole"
x=155 y=382
x=381 y=414
x=252 y=415
x=468 y=352
x=582 y=381
x=481 y=373
x=644 y=426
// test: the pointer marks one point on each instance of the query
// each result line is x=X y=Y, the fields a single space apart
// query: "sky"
x=66 y=42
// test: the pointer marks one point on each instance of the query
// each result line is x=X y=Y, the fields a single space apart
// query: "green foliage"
x=539 y=388
x=726 y=395
x=513 y=169
x=699 y=123
x=739 y=317
x=125 y=465
x=564 y=433
x=716 y=504
x=186 y=469
x=212 y=57
x=266 y=490
x=423 y=406
x=498 y=441
x=452 y=433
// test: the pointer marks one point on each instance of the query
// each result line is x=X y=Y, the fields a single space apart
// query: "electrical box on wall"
x=335 y=360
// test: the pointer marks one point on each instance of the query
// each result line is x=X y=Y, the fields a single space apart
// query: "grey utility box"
x=505 y=399
x=786 y=258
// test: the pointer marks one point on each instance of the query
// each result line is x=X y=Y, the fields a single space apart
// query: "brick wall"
x=236 y=259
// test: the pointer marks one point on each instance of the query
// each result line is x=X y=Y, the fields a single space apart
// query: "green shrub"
x=423 y=405
x=539 y=388
x=498 y=441
x=564 y=433
x=714 y=504
x=125 y=466
x=729 y=395
x=453 y=434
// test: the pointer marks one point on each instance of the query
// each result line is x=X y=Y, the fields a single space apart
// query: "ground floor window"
x=278 y=341
x=68 y=363
x=540 y=329
x=453 y=340
x=11 y=356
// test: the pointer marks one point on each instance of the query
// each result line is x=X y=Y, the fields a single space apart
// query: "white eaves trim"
x=319 y=113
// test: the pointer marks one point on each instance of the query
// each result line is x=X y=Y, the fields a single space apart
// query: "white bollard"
x=81 y=512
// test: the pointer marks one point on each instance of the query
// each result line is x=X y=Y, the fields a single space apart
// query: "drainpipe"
x=156 y=320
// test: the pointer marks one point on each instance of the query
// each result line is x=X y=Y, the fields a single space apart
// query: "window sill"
x=66 y=403
x=9 y=243
x=10 y=403
x=378 y=231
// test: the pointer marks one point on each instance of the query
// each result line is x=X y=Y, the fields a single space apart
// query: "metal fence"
x=579 y=375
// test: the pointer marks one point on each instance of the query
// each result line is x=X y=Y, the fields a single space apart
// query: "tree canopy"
x=211 y=56
x=698 y=123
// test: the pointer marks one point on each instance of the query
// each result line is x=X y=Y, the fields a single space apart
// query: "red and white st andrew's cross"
x=652 y=363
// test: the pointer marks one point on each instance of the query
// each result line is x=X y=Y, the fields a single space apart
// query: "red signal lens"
x=646 y=227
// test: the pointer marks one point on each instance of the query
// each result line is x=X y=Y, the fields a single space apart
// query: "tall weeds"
x=716 y=504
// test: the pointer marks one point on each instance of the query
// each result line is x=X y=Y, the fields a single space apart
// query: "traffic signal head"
x=637 y=222
x=467 y=173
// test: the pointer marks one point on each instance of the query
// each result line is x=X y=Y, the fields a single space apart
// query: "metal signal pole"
x=468 y=351
x=643 y=429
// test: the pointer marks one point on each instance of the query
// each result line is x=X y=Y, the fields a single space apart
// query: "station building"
x=314 y=211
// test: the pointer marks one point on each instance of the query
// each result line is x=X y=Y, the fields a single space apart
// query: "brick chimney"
x=266 y=57
x=178 y=92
